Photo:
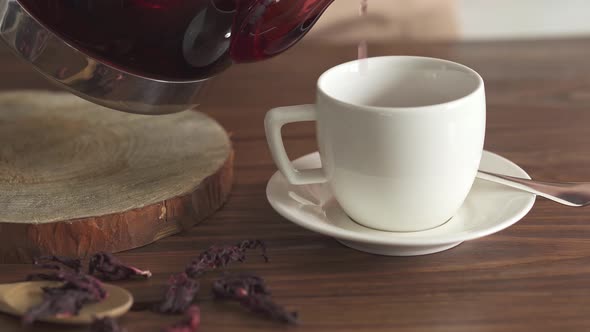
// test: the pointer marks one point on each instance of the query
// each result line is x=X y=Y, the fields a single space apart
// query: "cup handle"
x=275 y=120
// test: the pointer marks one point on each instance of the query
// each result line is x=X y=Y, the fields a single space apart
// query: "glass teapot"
x=149 y=56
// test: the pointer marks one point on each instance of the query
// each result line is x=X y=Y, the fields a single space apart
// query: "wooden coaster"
x=77 y=178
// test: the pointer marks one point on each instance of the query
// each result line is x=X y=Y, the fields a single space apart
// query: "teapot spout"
x=265 y=28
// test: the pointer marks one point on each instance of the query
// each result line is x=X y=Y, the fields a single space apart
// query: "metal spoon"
x=17 y=298
x=575 y=194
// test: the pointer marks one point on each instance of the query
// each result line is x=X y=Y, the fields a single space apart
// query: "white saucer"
x=489 y=208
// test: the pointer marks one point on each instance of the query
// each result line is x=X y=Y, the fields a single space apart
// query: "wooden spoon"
x=17 y=298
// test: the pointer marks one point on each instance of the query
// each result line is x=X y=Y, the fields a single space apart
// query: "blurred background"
x=454 y=20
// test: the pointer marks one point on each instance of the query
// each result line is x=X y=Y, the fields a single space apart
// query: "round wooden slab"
x=76 y=178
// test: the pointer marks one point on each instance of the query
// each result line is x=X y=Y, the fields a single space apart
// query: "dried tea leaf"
x=106 y=324
x=180 y=294
x=220 y=256
x=107 y=267
x=190 y=323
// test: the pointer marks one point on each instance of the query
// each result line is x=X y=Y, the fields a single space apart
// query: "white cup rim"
x=447 y=104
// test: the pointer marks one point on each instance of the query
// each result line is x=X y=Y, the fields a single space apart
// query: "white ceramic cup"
x=400 y=139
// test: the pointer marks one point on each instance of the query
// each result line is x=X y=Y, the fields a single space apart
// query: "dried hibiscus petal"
x=251 y=292
x=263 y=304
x=62 y=303
x=74 y=280
x=239 y=286
x=190 y=323
x=49 y=262
x=62 y=266
x=180 y=294
x=106 y=324
x=86 y=283
x=221 y=256
x=107 y=267
x=58 y=276
x=67 y=299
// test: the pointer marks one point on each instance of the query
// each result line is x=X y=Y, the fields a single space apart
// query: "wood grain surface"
x=76 y=178
x=534 y=276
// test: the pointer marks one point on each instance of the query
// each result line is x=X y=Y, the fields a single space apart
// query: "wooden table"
x=534 y=276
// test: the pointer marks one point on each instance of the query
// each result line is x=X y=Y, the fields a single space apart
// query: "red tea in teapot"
x=178 y=39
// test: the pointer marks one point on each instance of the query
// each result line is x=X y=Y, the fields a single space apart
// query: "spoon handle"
x=569 y=193
x=4 y=307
